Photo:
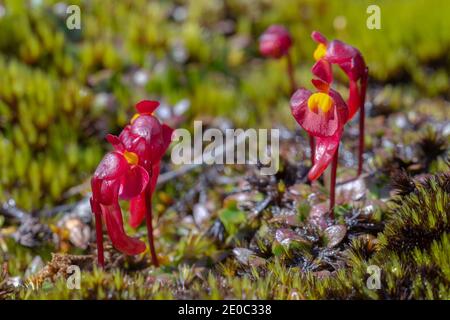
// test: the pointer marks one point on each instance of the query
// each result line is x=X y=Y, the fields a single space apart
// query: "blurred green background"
x=61 y=90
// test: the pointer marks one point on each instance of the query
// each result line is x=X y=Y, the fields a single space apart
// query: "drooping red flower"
x=118 y=176
x=275 y=42
x=149 y=139
x=348 y=58
x=323 y=115
x=130 y=172
x=337 y=52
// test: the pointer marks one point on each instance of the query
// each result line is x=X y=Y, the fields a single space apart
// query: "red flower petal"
x=104 y=191
x=148 y=138
x=138 y=210
x=115 y=142
x=275 y=42
x=358 y=67
x=322 y=70
x=111 y=167
x=346 y=56
x=142 y=149
x=341 y=107
x=133 y=182
x=338 y=52
x=95 y=206
x=137 y=143
x=354 y=67
x=299 y=98
x=354 y=101
x=320 y=85
x=148 y=127
x=138 y=204
x=147 y=106
x=114 y=226
x=105 y=180
x=325 y=149
x=319 y=124
x=127 y=137
x=318 y=37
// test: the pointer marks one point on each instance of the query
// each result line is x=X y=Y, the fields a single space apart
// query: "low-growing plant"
x=323 y=114
x=130 y=172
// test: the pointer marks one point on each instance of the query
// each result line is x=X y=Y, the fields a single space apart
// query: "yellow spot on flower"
x=320 y=100
x=136 y=115
x=320 y=51
x=131 y=157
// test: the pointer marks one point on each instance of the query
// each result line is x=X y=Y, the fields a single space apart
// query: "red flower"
x=130 y=173
x=322 y=70
x=149 y=139
x=348 y=58
x=323 y=115
x=275 y=42
x=118 y=176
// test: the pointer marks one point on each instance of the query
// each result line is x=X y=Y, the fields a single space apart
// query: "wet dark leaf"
x=248 y=257
x=287 y=236
x=335 y=234
x=287 y=219
x=351 y=191
x=318 y=215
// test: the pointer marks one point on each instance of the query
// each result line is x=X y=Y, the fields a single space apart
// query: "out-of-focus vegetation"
x=61 y=90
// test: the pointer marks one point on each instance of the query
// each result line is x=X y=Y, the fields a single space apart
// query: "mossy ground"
x=223 y=231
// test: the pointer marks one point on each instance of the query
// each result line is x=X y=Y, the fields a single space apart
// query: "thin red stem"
x=150 y=234
x=362 y=117
x=149 y=223
x=333 y=182
x=99 y=238
x=290 y=72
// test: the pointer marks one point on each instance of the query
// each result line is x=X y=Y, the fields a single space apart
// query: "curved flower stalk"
x=130 y=172
x=350 y=60
x=323 y=115
x=275 y=43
